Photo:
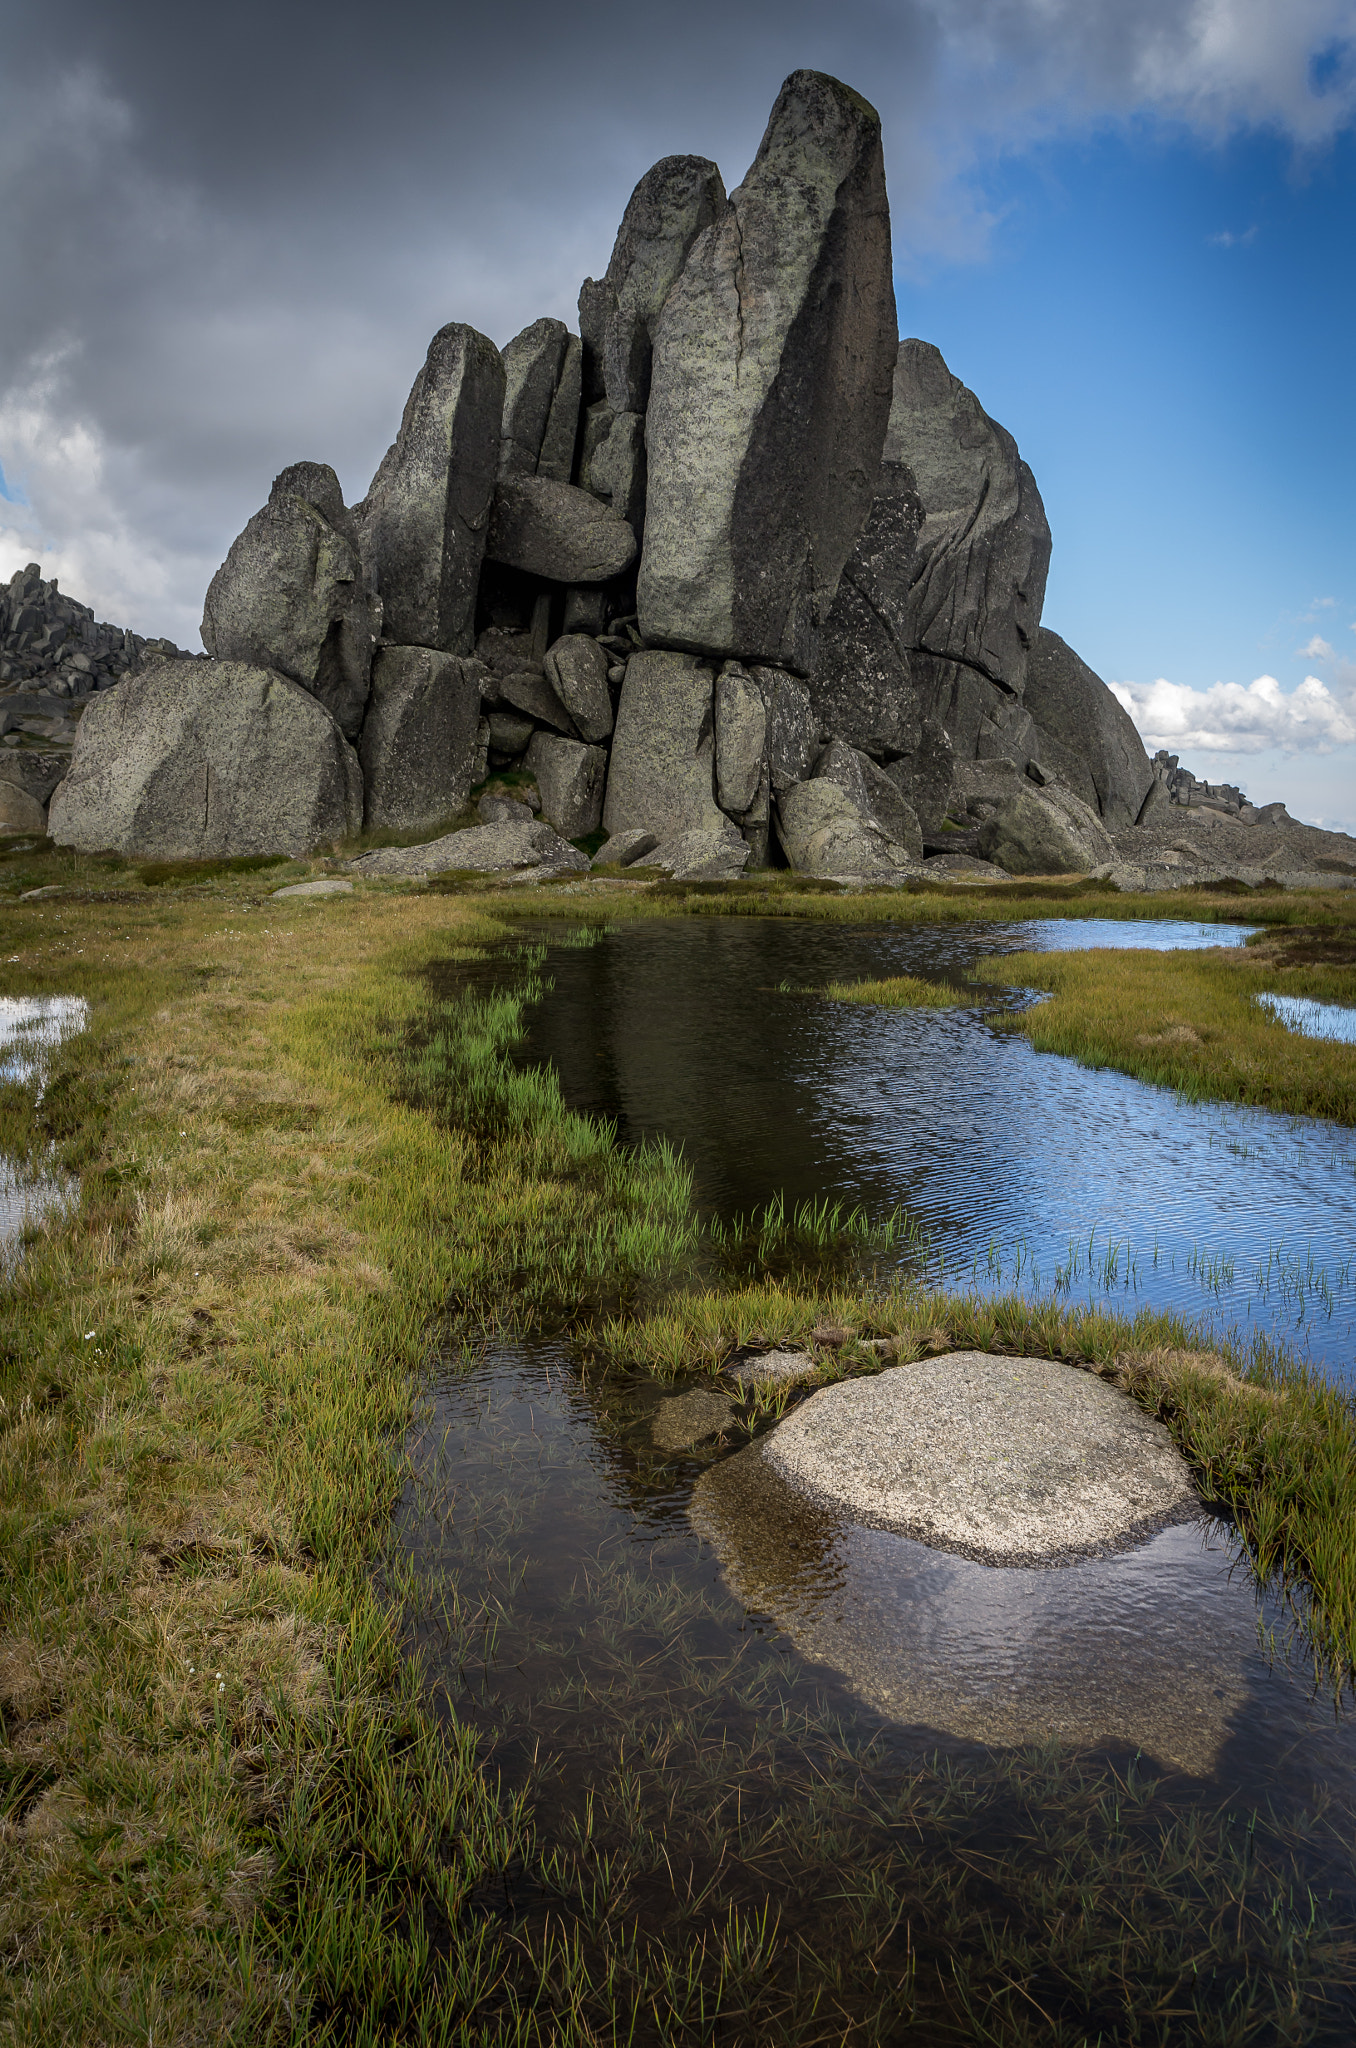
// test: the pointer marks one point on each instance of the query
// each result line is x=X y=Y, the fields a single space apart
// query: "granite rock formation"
x=734 y=571
x=771 y=390
x=418 y=742
x=291 y=595
x=1086 y=735
x=426 y=516
x=191 y=759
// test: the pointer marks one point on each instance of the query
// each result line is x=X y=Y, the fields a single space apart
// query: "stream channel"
x=719 y=1701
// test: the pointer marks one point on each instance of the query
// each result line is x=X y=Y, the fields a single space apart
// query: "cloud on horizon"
x=1230 y=719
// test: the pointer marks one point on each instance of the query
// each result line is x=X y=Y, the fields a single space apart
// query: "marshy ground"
x=315 y=1188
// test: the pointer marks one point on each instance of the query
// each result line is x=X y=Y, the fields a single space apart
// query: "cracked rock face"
x=977 y=580
x=1085 y=734
x=425 y=519
x=938 y=607
x=418 y=741
x=191 y=759
x=674 y=201
x=771 y=390
x=291 y=595
x=541 y=402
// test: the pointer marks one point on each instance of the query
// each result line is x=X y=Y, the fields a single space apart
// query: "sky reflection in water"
x=1027 y=1170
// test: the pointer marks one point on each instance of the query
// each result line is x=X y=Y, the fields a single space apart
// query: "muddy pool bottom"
x=791 y=1780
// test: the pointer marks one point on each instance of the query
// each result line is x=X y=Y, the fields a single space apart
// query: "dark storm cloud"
x=228 y=233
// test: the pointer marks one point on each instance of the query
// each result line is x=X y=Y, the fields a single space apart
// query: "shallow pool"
x=1023 y=1170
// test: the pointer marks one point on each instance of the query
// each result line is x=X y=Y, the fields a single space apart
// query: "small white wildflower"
x=88 y=1335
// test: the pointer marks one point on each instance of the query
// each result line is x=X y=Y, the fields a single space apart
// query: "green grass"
x=296 y=1169
x=899 y=992
x=1191 y=1021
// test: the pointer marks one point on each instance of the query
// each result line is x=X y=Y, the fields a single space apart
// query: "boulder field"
x=734 y=576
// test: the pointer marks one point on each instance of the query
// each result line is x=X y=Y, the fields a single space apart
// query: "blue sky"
x=1167 y=326
x=1126 y=223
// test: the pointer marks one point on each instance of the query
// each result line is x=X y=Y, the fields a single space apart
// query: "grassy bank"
x=232 y=1810
x=1191 y=1021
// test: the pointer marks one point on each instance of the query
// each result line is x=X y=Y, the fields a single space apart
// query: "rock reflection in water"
x=1154 y=1648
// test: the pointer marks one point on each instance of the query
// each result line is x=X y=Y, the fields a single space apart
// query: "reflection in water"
x=821 y=1727
x=1154 y=1648
x=1313 y=1019
x=30 y=1028
x=1027 y=1171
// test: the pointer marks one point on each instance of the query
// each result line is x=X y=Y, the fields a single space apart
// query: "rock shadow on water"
x=1154 y=1648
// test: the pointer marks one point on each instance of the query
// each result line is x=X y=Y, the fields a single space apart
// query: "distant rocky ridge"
x=54 y=656
x=731 y=577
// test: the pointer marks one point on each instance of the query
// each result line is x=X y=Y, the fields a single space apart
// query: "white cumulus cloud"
x=1231 y=719
x=1317 y=649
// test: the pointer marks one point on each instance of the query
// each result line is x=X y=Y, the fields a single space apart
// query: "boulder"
x=531 y=694
x=20 y=812
x=37 y=770
x=558 y=531
x=793 y=731
x=509 y=733
x=674 y=201
x=541 y=402
x=425 y=519
x=1045 y=832
x=771 y=390
x=291 y=594
x=977 y=578
x=925 y=775
x=576 y=668
x=418 y=742
x=571 y=779
x=1086 y=735
x=872 y=792
x=1007 y=1460
x=623 y=849
x=661 y=777
x=529 y=850
x=823 y=833
x=186 y=760
x=741 y=740
x=708 y=853
x=617 y=468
